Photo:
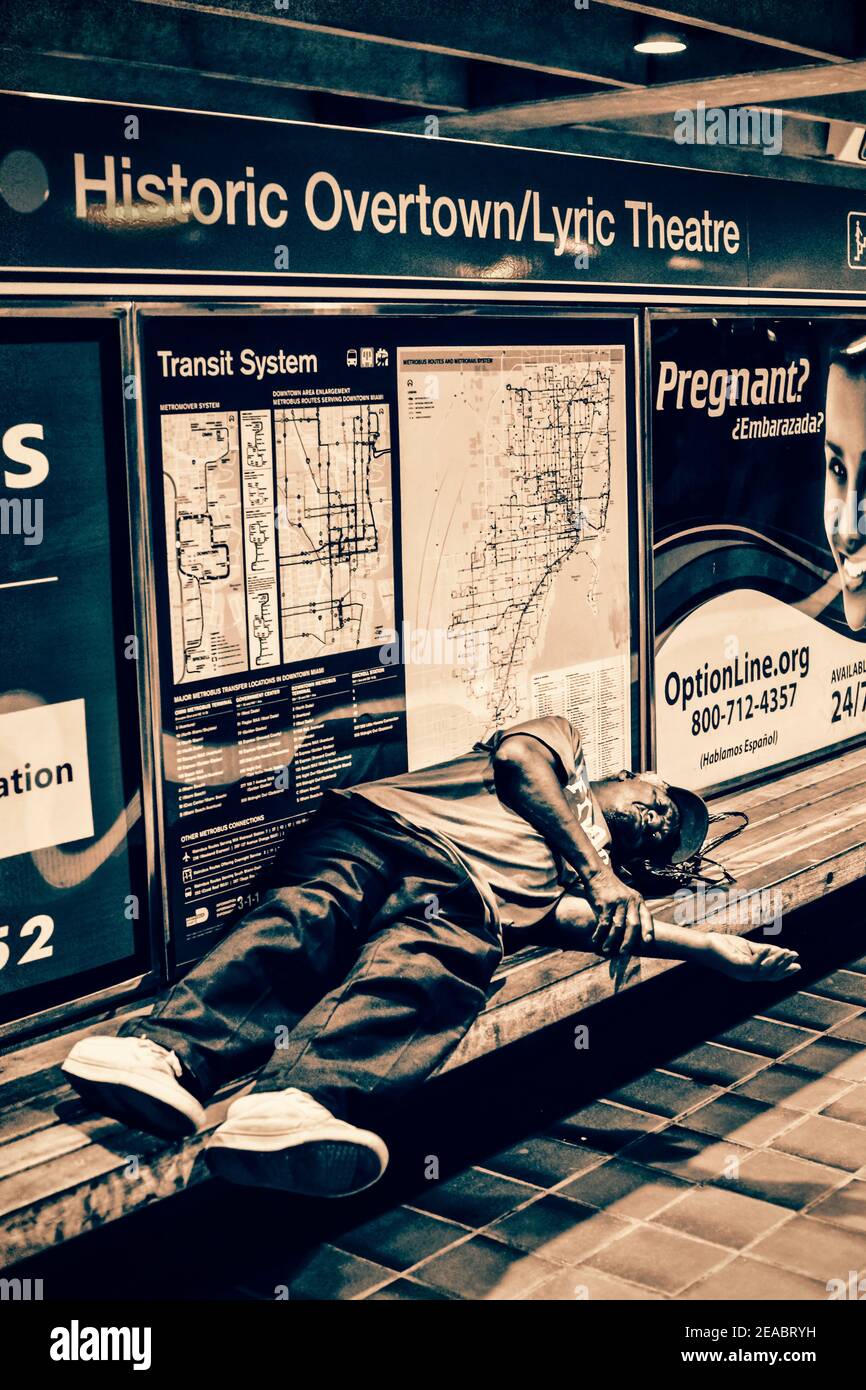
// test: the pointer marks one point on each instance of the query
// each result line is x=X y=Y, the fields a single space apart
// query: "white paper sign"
x=44 y=778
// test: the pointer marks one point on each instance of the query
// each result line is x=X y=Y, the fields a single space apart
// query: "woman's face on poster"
x=845 y=487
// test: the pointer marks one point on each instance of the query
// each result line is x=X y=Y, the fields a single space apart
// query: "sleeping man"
x=372 y=950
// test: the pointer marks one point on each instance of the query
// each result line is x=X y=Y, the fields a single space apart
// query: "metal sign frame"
x=45 y=1008
x=435 y=308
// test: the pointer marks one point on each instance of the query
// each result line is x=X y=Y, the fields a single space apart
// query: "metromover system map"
x=276 y=554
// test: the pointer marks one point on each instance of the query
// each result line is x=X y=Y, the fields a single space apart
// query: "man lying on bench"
x=371 y=954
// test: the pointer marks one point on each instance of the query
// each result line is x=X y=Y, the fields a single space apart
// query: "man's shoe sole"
x=315 y=1165
x=115 y=1092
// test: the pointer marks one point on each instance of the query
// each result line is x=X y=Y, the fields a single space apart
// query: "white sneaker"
x=136 y=1081
x=286 y=1139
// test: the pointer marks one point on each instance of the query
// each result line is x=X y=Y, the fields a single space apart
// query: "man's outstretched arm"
x=730 y=955
x=525 y=774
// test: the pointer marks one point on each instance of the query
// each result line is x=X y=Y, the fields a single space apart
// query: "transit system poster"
x=378 y=538
x=72 y=881
x=758 y=440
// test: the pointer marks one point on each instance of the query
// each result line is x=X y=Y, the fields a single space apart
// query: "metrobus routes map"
x=516 y=542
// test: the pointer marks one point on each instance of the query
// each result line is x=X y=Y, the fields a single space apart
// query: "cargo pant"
x=366 y=961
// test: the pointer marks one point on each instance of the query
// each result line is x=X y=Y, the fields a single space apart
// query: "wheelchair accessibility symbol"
x=857 y=240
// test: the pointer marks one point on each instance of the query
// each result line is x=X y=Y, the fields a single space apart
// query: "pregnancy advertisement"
x=759 y=543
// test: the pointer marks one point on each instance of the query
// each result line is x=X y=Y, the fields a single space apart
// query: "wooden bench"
x=65 y=1170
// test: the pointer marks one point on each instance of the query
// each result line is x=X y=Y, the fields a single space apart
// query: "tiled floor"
x=695 y=1151
x=736 y=1170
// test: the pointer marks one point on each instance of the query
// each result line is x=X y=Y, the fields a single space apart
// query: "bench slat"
x=36 y=1113
x=803 y=780
x=38 y=1056
x=802 y=878
x=556 y=964
x=848 y=820
x=764 y=830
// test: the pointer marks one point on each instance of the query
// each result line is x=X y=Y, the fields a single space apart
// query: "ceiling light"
x=660 y=43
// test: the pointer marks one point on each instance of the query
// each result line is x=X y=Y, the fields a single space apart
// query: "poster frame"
x=437 y=306
x=147 y=956
x=758 y=311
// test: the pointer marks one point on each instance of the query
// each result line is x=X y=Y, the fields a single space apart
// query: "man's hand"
x=527 y=779
x=622 y=917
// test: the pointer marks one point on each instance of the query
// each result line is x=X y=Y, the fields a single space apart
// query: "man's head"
x=648 y=819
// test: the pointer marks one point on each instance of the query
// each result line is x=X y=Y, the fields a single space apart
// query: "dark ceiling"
x=562 y=74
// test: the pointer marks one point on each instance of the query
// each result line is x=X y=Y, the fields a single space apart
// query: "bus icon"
x=352 y=357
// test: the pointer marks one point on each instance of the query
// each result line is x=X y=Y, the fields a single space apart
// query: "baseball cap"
x=694 y=820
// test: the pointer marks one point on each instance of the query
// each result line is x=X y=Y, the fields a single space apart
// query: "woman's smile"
x=853 y=569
